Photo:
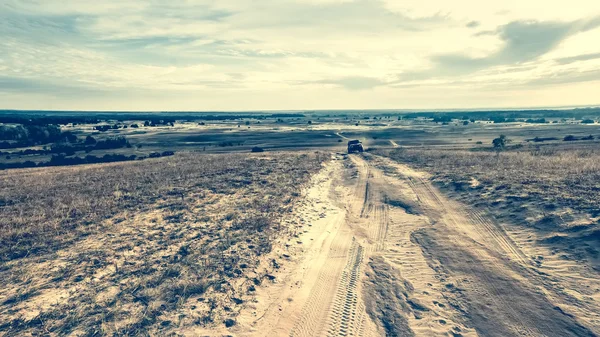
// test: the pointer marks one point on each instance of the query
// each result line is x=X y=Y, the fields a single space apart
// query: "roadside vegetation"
x=144 y=247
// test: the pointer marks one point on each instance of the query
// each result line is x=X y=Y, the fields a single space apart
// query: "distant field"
x=38 y=138
x=140 y=247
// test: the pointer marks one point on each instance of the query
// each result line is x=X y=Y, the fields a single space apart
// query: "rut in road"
x=335 y=306
x=347 y=315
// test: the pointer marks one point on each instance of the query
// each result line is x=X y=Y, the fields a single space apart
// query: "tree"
x=500 y=142
x=89 y=140
x=69 y=137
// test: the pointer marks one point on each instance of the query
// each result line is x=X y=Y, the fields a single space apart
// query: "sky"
x=231 y=55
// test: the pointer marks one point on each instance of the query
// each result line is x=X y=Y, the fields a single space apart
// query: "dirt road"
x=389 y=255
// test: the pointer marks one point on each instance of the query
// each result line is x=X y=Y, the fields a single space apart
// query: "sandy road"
x=393 y=256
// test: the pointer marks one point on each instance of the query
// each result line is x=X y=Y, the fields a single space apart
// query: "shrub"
x=112 y=143
x=89 y=140
x=102 y=128
x=500 y=142
x=536 y=121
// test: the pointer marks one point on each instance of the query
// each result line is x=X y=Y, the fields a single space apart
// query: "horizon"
x=408 y=110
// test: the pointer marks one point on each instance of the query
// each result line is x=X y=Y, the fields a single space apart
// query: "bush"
x=443 y=119
x=500 y=142
x=536 y=121
x=541 y=139
x=102 y=128
x=32 y=134
x=112 y=143
x=89 y=140
x=69 y=137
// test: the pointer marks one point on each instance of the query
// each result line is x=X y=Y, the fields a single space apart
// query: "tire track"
x=488 y=232
x=344 y=318
x=486 y=273
x=373 y=207
x=311 y=322
x=451 y=216
x=334 y=306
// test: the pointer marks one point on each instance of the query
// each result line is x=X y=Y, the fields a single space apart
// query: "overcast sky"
x=302 y=54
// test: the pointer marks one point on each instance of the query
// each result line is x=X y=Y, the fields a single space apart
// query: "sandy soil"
x=389 y=255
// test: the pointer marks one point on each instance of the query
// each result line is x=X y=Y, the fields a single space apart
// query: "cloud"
x=275 y=53
x=473 y=24
x=355 y=83
x=567 y=76
x=56 y=87
x=523 y=41
x=584 y=57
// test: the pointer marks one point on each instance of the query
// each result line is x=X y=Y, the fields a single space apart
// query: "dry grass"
x=553 y=189
x=140 y=248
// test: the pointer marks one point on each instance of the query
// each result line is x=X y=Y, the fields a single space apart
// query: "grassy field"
x=141 y=247
x=553 y=189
